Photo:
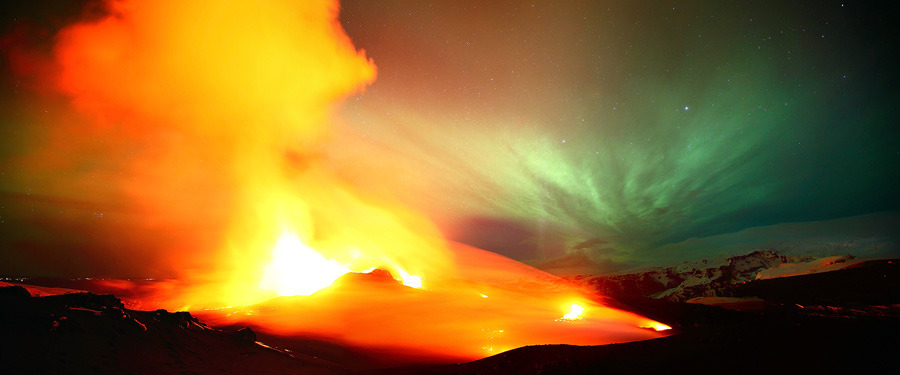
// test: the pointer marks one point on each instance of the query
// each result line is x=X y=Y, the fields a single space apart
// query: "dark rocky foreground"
x=845 y=321
x=85 y=333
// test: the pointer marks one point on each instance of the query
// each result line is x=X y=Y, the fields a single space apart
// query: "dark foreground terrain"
x=845 y=321
x=85 y=333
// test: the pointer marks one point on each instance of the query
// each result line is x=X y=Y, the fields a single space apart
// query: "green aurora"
x=618 y=127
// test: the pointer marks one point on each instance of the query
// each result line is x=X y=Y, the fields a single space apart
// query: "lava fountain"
x=226 y=105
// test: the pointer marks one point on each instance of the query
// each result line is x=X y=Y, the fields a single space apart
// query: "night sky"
x=540 y=129
x=621 y=126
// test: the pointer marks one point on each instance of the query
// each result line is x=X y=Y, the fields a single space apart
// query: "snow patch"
x=832 y=263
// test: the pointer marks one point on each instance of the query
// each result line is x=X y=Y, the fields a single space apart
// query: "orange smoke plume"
x=218 y=111
x=237 y=97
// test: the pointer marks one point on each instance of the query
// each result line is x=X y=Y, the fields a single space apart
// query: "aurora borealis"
x=537 y=129
x=533 y=129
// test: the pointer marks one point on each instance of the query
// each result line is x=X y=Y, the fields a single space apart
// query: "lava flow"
x=218 y=111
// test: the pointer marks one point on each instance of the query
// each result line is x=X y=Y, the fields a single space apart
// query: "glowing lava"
x=453 y=318
x=656 y=326
x=574 y=313
x=297 y=269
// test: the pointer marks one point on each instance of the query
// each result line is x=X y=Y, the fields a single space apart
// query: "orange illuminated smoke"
x=229 y=102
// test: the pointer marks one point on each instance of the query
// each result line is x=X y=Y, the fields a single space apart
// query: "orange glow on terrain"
x=228 y=105
x=451 y=316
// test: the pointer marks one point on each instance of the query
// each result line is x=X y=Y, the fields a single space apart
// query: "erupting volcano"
x=225 y=106
x=356 y=187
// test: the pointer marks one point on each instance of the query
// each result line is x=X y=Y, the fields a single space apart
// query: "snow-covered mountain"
x=703 y=278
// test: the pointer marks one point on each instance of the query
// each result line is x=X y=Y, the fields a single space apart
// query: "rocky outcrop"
x=91 y=333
